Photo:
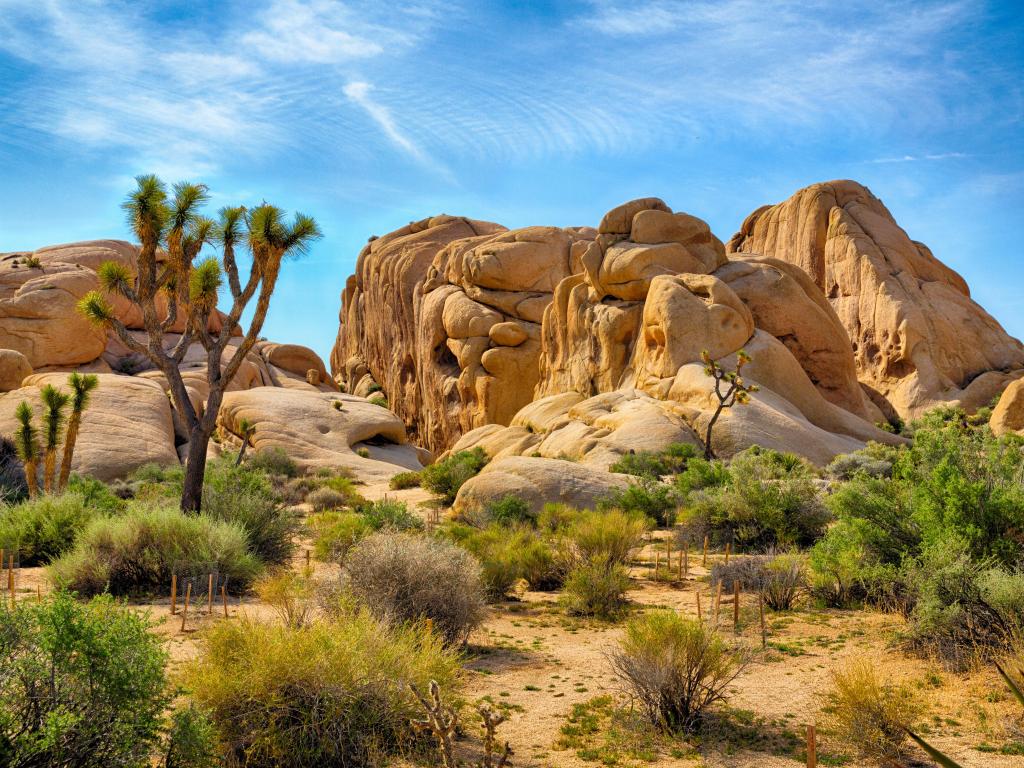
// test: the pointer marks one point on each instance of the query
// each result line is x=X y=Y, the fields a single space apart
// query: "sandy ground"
x=536 y=663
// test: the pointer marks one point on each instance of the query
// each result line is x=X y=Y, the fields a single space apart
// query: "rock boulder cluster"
x=284 y=390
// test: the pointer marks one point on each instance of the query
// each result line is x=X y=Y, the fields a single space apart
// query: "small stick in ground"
x=174 y=593
x=718 y=601
x=764 y=631
x=736 y=607
x=209 y=597
x=224 y=597
x=184 y=608
x=728 y=547
x=812 y=747
x=700 y=617
x=704 y=562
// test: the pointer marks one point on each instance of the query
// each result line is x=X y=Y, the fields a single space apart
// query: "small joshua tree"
x=81 y=389
x=190 y=289
x=736 y=391
x=26 y=439
x=247 y=430
x=54 y=417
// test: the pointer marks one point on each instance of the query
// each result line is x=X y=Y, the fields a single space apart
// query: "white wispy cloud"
x=916 y=158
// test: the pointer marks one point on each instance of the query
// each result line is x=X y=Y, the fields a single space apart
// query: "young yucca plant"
x=54 y=404
x=247 y=429
x=26 y=439
x=736 y=390
x=81 y=390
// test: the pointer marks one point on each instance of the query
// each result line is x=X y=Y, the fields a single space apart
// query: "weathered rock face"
x=1008 y=415
x=445 y=315
x=586 y=343
x=130 y=421
x=918 y=338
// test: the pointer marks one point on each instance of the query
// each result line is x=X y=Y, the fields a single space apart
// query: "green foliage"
x=332 y=693
x=244 y=498
x=770 y=499
x=45 y=527
x=81 y=684
x=335 y=533
x=869 y=714
x=191 y=740
x=136 y=552
x=503 y=553
x=274 y=461
x=404 y=480
x=596 y=588
x=406 y=578
x=379 y=400
x=509 y=510
x=385 y=513
x=323 y=499
x=780 y=577
x=612 y=535
x=26 y=437
x=54 y=416
x=444 y=478
x=655 y=464
x=646 y=496
x=701 y=473
x=96 y=495
x=95 y=307
x=846 y=466
x=13 y=486
x=676 y=668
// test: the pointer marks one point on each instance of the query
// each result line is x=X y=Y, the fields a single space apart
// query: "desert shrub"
x=845 y=571
x=404 y=480
x=136 y=552
x=269 y=526
x=96 y=495
x=964 y=610
x=385 y=513
x=652 y=498
x=191 y=740
x=407 y=578
x=335 y=533
x=290 y=594
x=613 y=534
x=444 y=478
x=781 y=578
x=770 y=500
x=81 y=684
x=379 y=400
x=500 y=551
x=45 y=527
x=323 y=499
x=596 y=588
x=701 y=473
x=655 y=464
x=870 y=715
x=13 y=486
x=542 y=567
x=846 y=466
x=334 y=693
x=676 y=668
x=273 y=461
x=509 y=510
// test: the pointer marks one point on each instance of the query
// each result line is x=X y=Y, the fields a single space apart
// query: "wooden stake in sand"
x=668 y=557
x=736 y=606
x=428 y=624
x=657 y=562
x=718 y=601
x=39 y=594
x=686 y=560
x=10 y=578
x=812 y=747
x=728 y=547
x=184 y=608
x=307 y=557
x=700 y=616
x=209 y=597
x=224 y=596
x=704 y=562
x=764 y=631
x=174 y=593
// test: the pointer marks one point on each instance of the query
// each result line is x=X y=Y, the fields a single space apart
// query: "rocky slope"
x=282 y=389
x=918 y=338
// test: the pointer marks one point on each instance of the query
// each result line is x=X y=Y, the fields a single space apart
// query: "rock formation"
x=1008 y=415
x=131 y=421
x=918 y=338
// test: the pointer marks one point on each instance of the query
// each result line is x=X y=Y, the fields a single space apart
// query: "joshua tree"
x=26 y=439
x=81 y=388
x=736 y=391
x=190 y=290
x=247 y=429
x=54 y=403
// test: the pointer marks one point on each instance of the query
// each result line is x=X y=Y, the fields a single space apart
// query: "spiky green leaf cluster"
x=82 y=386
x=188 y=198
x=204 y=282
x=115 y=277
x=55 y=402
x=146 y=207
x=26 y=437
x=229 y=231
x=96 y=308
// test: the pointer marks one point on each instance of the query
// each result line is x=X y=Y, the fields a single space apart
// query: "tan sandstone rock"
x=127 y=424
x=918 y=338
x=14 y=368
x=1008 y=415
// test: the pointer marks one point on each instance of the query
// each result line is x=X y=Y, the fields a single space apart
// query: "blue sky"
x=369 y=115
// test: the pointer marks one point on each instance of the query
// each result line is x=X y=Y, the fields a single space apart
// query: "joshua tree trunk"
x=709 y=454
x=49 y=469
x=32 y=478
x=241 y=451
x=70 y=438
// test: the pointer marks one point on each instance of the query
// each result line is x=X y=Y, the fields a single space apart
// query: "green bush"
x=334 y=693
x=676 y=668
x=652 y=498
x=269 y=526
x=323 y=499
x=13 y=486
x=385 y=513
x=135 y=554
x=701 y=473
x=596 y=588
x=655 y=464
x=612 y=534
x=404 y=480
x=273 y=461
x=770 y=500
x=401 y=577
x=509 y=510
x=81 y=684
x=45 y=527
x=846 y=466
x=507 y=555
x=335 y=533
x=445 y=477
